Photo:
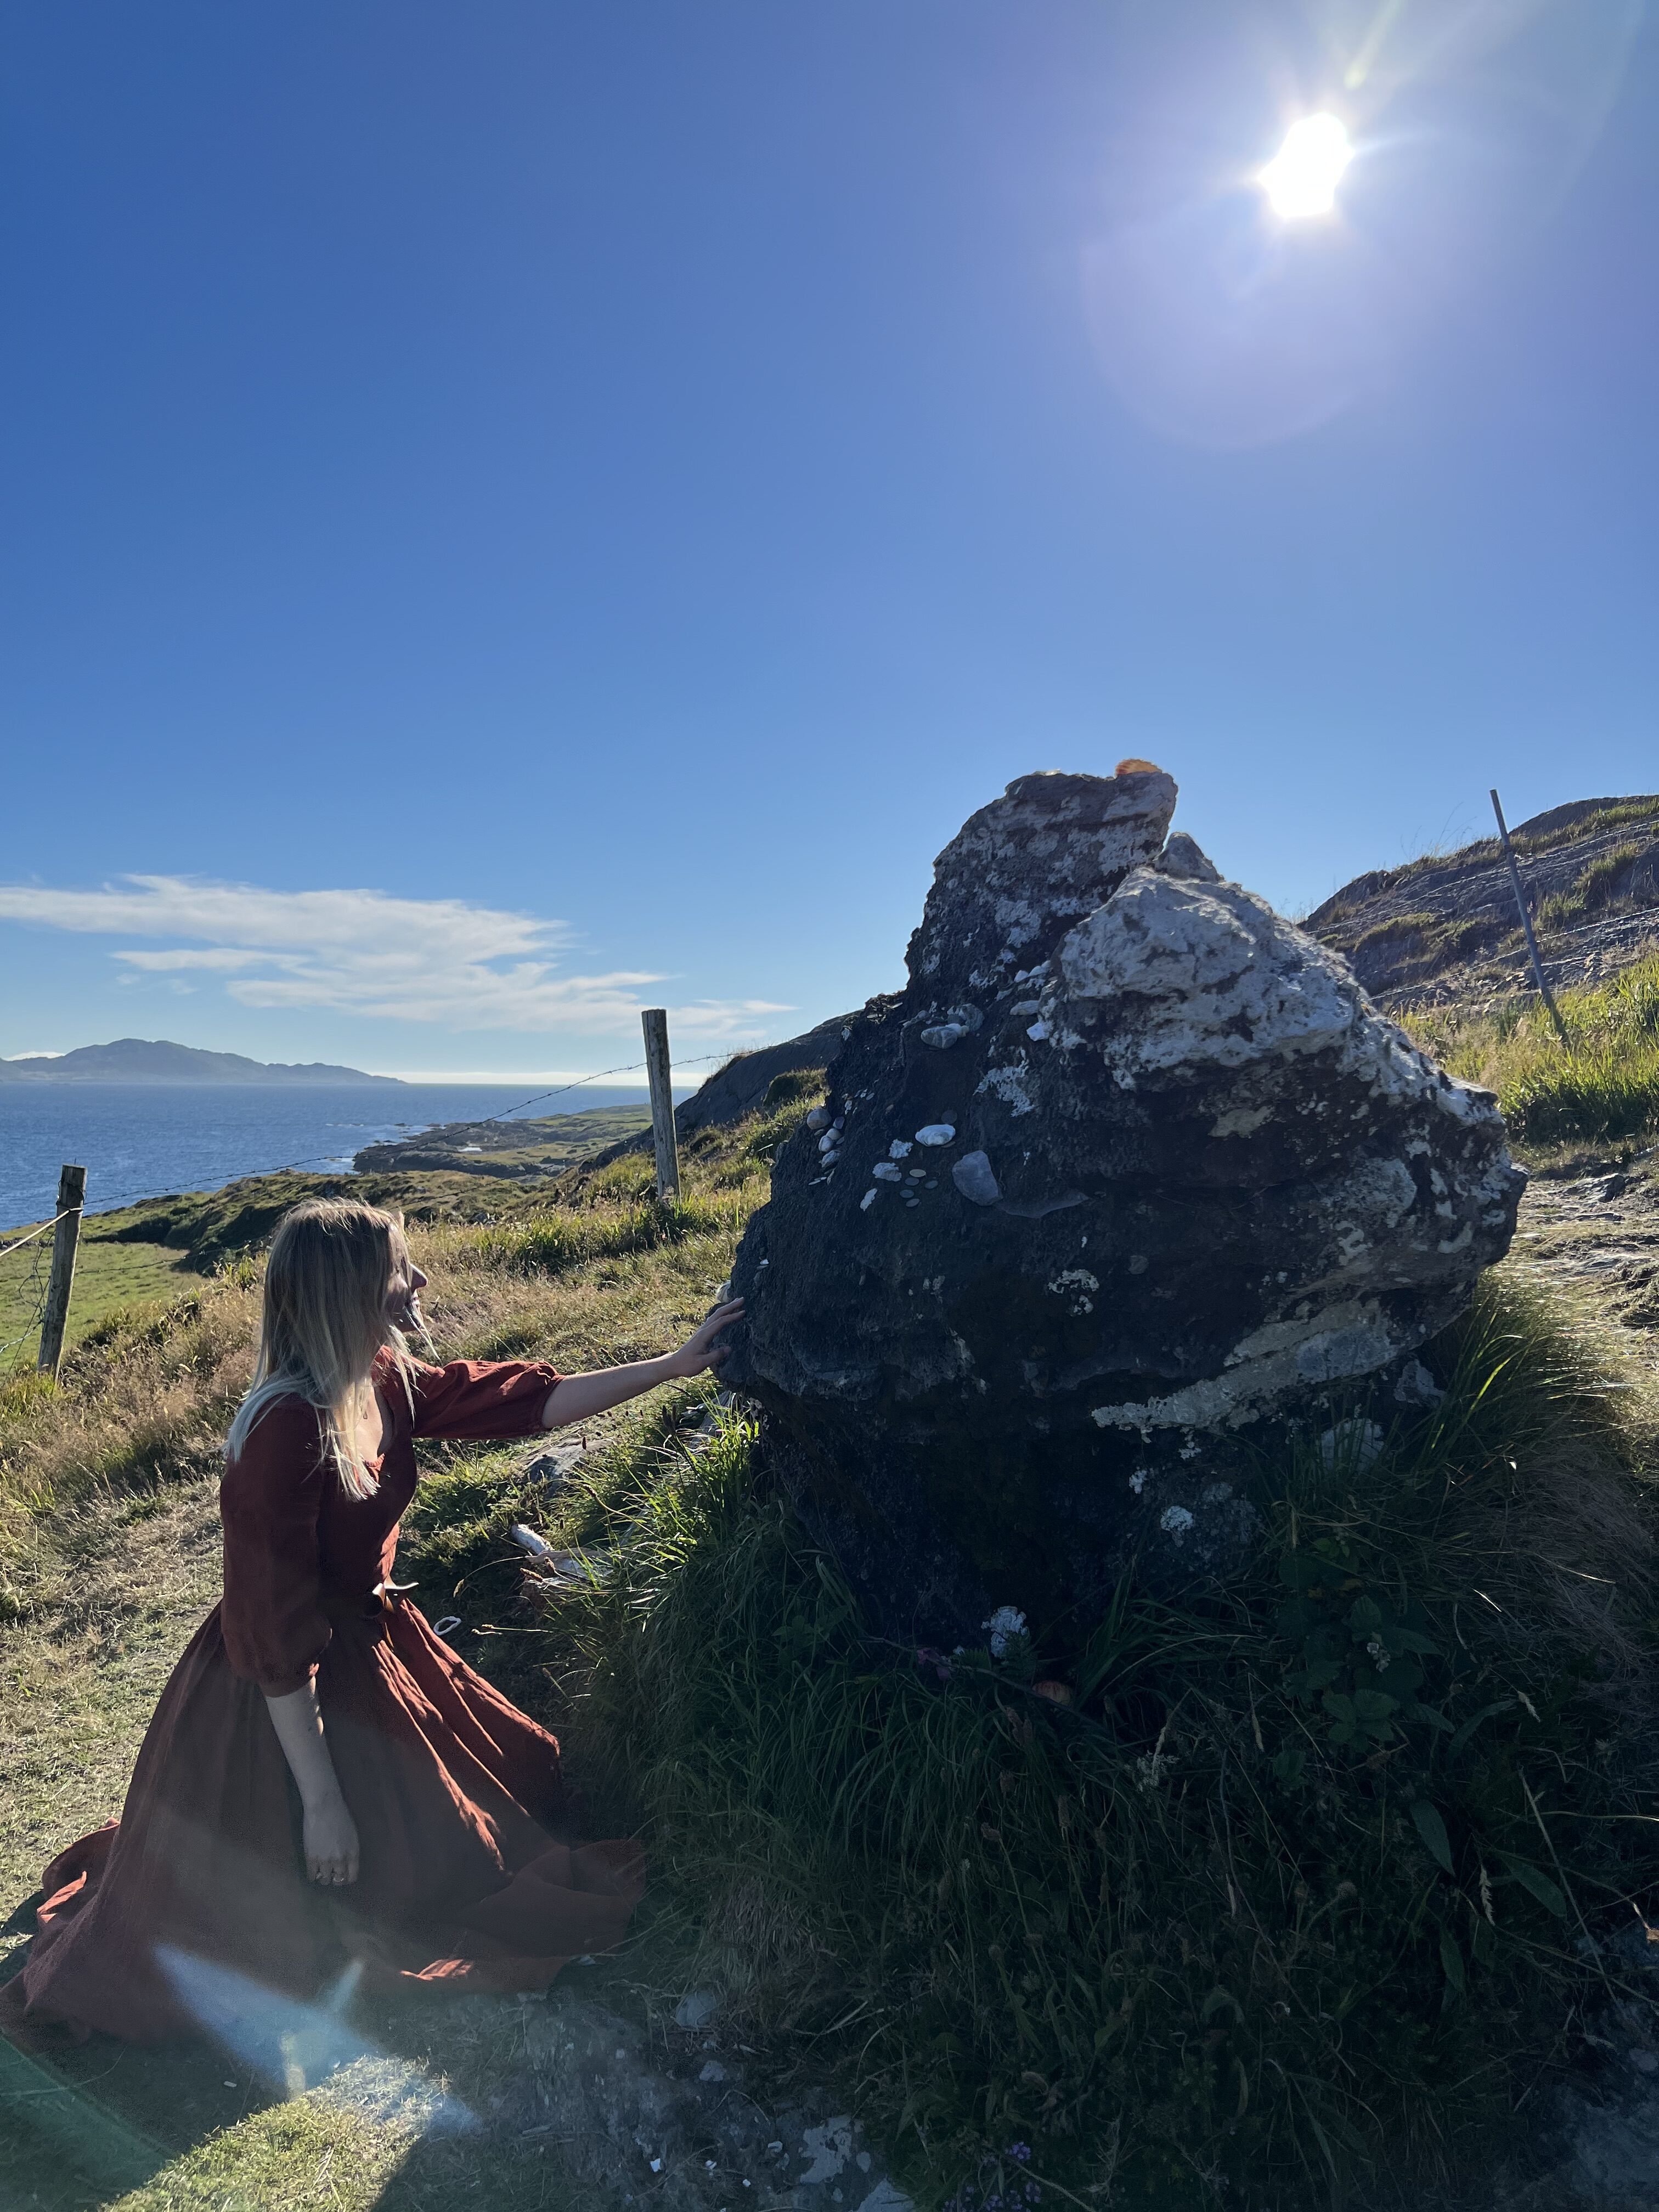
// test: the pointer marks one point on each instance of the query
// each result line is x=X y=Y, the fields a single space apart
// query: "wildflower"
x=1380 y=1654
x=1006 y=1623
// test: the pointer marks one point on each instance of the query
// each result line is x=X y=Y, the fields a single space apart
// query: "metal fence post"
x=1526 y=925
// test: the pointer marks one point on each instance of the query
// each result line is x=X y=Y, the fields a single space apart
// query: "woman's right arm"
x=330 y=1831
x=274 y=1627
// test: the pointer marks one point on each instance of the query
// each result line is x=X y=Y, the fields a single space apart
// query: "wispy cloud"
x=442 y=961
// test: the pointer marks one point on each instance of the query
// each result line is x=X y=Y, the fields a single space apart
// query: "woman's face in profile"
x=402 y=1296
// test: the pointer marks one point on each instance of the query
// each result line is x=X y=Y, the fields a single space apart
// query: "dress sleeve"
x=274 y=1626
x=481 y=1398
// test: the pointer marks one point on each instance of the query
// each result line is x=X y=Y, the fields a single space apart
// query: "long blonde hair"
x=324 y=1323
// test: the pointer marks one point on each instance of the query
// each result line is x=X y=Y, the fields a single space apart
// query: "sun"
x=1301 y=177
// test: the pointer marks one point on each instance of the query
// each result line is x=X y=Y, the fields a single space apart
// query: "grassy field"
x=1602 y=1086
x=1237 y=1917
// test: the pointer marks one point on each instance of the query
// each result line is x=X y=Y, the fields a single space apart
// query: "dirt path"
x=1597 y=1228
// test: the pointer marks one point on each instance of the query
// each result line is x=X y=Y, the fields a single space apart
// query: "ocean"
x=144 y=1140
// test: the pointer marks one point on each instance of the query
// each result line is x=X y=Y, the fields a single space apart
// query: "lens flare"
x=1301 y=177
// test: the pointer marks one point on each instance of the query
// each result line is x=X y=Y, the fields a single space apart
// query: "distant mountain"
x=138 y=1060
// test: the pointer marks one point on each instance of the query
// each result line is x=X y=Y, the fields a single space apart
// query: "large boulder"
x=1131 y=1170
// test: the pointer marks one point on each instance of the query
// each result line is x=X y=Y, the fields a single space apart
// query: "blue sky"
x=519 y=511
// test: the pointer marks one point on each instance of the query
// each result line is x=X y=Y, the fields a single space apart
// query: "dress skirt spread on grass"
x=456 y=1795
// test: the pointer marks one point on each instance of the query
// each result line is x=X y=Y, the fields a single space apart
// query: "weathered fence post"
x=65 y=1240
x=1526 y=924
x=654 y=1022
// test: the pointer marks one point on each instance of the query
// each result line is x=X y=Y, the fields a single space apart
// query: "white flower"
x=1380 y=1654
x=1006 y=1624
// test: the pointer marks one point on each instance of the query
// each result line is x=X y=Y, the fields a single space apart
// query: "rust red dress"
x=454 y=1791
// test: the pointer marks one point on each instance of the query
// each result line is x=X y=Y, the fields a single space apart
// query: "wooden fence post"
x=653 y=1020
x=65 y=1240
x=1526 y=925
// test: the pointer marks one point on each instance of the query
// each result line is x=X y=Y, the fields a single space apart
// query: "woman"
x=324 y=1779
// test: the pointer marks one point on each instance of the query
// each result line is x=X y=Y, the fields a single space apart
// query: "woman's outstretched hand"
x=699 y=1352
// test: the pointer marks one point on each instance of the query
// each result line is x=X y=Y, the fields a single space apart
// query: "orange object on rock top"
x=1137 y=768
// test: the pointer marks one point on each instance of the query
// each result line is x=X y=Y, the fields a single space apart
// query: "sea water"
x=145 y=1139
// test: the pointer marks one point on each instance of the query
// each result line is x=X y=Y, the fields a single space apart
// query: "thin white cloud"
x=364 y=953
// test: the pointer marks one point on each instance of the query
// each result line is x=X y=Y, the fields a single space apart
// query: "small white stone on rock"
x=936 y=1133
x=973 y=1176
x=943 y=1035
x=885 y=1171
x=696 y=2008
x=818 y=1118
x=868 y=1200
x=900 y=1149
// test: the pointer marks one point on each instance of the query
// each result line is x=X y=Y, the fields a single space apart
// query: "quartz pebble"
x=973 y=1176
x=943 y=1035
x=868 y=1200
x=936 y=1133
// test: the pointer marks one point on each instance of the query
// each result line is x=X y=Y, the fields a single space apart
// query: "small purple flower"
x=1019 y=2152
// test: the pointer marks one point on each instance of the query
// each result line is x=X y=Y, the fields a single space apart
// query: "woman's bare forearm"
x=298 y=1720
x=579 y=1397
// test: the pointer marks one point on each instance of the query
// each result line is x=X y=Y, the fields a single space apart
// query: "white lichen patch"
x=1241 y=1121
x=1074 y=1285
x=1008 y=1083
x=1282 y=1358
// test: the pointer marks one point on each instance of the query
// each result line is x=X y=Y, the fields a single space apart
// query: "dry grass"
x=1602 y=1085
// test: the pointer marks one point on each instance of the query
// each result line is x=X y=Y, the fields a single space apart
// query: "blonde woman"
x=324 y=1778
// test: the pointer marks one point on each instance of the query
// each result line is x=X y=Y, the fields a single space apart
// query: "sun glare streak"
x=1301 y=177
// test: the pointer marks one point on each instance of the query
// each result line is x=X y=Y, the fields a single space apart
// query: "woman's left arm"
x=579 y=1397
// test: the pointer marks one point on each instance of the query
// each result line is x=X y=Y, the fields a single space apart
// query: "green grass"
x=1602 y=1085
x=1592 y=890
x=1398 y=925
x=110 y=1279
x=1251 y=1911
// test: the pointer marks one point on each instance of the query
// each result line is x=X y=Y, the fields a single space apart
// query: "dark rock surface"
x=1130 y=1166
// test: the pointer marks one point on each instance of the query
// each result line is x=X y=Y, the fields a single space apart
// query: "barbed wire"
x=634 y=1067
x=39 y=1282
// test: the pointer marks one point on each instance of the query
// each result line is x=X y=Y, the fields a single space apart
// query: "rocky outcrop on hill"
x=1130 y=1165
x=1445 y=927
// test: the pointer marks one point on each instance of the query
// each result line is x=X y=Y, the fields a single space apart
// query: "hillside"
x=142 y=1060
x=1443 y=929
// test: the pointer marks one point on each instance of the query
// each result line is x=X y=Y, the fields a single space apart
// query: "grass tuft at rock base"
x=1304 y=1880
